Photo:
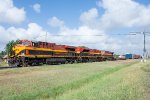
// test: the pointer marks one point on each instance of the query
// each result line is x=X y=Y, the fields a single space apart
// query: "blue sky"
x=67 y=10
x=28 y=19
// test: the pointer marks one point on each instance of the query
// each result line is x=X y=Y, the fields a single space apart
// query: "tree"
x=9 y=47
x=2 y=53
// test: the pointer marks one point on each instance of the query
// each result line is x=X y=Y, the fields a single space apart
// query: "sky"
x=33 y=19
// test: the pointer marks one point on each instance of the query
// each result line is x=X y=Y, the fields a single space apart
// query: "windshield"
x=25 y=43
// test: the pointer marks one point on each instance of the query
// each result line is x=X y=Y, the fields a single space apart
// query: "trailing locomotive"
x=35 y=53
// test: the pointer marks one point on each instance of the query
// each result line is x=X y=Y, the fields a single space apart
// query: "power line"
x=85 y=35
x=92 y=35
x=98 y=35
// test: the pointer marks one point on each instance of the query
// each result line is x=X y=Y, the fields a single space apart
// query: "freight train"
x=27 y=52
x=127 y=56
x=132 y=56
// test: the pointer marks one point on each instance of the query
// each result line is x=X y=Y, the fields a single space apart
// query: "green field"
x=111 y=80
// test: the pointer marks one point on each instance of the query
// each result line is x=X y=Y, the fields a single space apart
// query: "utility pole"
x=144 y=49
x=144 y=45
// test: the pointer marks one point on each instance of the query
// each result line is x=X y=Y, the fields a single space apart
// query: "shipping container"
x=129 y=56
x=136 y=56
x=122 y=57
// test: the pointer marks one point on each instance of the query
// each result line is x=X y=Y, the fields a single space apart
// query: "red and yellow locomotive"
x=34 y=53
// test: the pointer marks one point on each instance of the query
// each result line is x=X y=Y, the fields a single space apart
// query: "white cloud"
x=37 y=8
x=33 y=32
x=89 y=16
x=36 y=32
x=124 y=13
x=119 y=14
x=55 y=22
x=105 y=42
x=11 y=14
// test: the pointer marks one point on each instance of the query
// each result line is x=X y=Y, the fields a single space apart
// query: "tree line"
x=8 y=48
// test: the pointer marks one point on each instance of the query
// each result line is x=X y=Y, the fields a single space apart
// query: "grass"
x=146 y=79
x=146 y=68
x=127 y=84
x=88 y=81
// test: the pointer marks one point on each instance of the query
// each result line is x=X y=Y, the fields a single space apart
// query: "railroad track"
x=6 y=67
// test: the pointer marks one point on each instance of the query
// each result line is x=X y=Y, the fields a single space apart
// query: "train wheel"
x=75 y=61
x=66 y=62
x=25 y=65
x=71 y=62
x=9 y=64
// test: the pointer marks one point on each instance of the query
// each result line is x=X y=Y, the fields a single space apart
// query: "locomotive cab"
x=19 y=48
x=18 y=53
x=24 y=43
